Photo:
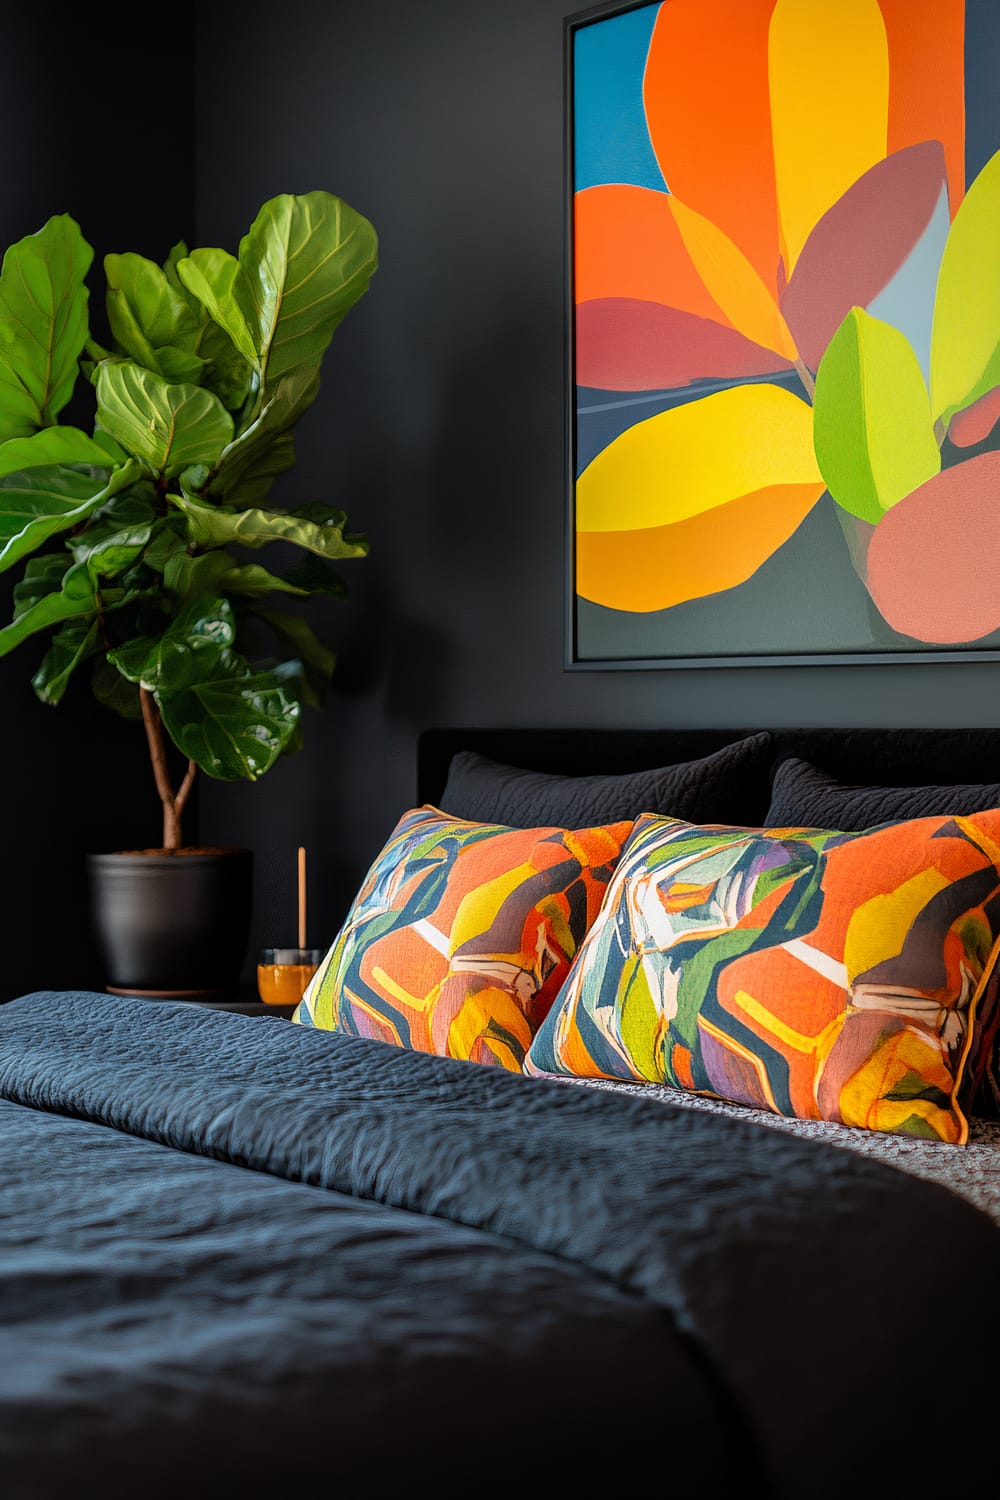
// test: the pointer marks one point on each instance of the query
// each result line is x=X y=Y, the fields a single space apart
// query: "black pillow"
x=728 y=786
x=803 y=796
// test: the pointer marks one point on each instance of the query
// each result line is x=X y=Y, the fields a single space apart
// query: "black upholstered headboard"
x=883 y=757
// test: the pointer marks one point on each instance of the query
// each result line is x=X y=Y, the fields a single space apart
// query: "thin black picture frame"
x=572 y=660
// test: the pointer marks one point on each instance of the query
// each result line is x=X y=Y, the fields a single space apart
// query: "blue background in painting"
x=610 y=141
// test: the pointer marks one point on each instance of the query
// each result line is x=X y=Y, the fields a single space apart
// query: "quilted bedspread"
x=244 y=1257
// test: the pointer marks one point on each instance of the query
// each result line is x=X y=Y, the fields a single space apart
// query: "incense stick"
x=302 y=897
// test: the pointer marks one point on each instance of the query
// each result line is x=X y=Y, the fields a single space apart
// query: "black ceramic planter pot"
x=172 y=922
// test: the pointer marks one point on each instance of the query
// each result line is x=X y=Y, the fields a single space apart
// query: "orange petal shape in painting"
x=627 y=244
x=933 y=556
x=709 y=118
x=624 y=345
x=653 y=569
x=927 y=81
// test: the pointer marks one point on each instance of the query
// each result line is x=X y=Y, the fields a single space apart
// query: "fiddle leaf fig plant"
x=151 y=552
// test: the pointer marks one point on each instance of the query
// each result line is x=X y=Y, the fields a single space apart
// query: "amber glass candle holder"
x=283 y=973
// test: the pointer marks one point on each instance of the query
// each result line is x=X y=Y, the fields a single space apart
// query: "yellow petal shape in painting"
x=828 y=67
x=967 y=305
x=694 y=457
x=693 y=500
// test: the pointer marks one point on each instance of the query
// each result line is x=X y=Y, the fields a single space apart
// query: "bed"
x=246 y=1256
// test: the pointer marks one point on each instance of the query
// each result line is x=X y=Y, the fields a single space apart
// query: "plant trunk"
x=173 y=802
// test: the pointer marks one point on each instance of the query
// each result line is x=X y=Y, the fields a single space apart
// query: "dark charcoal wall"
x=439 y=427
x=97 y=122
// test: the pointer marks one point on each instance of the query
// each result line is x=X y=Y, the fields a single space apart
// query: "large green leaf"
x=229 y=374
x=316 y=576
x=302 y=265
x=71 y=645
x=872 y=425
x=234 y=724
x=217 y=572
x=42 y=575
x=75 y=600
x=966 y=328
x=37 y=503
x=135 y=506
x=168 y=426
x=107 y=556
x=321 y=532
x=186 y=651
x=57 y=445
x=43 y=324
x=210 y=275
x=266 y=448
x=151 y=321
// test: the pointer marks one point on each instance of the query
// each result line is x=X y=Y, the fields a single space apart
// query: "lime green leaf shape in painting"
x=872 y=421
x=168 y=426
x=966 y=329
x=693 y=500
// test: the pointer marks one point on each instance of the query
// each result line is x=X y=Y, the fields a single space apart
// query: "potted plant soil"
x=152 y=556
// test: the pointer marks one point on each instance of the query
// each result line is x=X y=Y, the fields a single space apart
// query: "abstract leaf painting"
x=784 y=258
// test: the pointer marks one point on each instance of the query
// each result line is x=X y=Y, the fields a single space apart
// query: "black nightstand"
x=248 y=1007
x=243 y=1001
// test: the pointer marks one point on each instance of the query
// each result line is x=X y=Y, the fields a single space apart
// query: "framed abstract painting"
x=783 y=320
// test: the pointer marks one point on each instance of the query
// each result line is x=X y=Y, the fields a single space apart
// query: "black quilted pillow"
x=728 y=786
x=804 y=796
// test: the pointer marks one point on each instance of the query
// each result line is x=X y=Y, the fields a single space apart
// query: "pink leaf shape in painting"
x=626 y=345
x=860 y=243
x=976 y=422
x=933 y=557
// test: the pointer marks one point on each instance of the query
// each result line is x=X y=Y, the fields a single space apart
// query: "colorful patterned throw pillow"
x=848 y=977
x=462 y=934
